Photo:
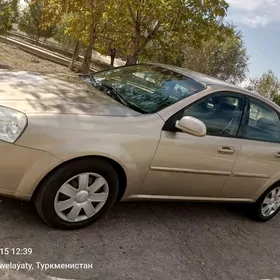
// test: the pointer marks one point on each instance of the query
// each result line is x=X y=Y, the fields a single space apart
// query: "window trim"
x=247 y=116
x=170 y=123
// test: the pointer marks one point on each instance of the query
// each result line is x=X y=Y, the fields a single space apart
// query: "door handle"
x=227 y=150
x=277 y=154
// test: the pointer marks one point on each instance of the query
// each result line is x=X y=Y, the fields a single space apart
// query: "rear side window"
x=263 y=123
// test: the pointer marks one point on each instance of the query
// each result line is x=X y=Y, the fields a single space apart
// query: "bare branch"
x=131 y=13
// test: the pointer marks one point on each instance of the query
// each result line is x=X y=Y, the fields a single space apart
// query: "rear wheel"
x=77 y=193
x=268 y=204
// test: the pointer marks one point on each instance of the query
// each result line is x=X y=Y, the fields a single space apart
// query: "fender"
x=271 y=181
x=96 y=147
x=67 y=139
x=135 y=167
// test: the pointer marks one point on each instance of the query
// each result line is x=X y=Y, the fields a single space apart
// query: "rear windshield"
x=145 y=88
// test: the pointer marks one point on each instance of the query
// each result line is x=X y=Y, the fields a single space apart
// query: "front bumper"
x=22 y=169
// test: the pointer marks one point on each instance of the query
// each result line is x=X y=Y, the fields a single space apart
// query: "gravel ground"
x=11 y=57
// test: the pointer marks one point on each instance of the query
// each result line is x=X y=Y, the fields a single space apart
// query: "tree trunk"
x=139 y=48
x=88 y=54
x=37 y=39
x=132 y=59
x=113 y=52
x=75 y=55
x=87 y=59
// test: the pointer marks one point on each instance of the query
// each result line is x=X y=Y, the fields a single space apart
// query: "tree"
x=226 y=60
x=67 y=42
x=113 y=38
x=8 y=14
x=82 y=20
x=155 y=19
x=66 y=15
x=106 y=46
x=267 y=85
x=129 y=26
x=223 y=56
x=95 y=16
x=139 y=28
x=30 y=21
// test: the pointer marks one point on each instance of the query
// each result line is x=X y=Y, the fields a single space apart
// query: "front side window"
x=144 y=88
x=263 y=123
x=221 y=113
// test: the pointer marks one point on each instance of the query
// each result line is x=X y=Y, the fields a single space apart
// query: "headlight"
x=12 y=124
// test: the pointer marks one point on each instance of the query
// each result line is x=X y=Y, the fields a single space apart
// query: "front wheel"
x=77 y=193
x=268 y=204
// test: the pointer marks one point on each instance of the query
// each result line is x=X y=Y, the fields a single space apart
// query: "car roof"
x=211 y=81
x=202 y=78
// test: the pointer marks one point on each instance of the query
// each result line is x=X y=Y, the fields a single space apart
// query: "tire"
x=47 y=198
x=259 y=205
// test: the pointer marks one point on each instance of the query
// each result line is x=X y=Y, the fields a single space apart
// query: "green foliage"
x=185 y=32
x=267 y=85
x=30 y=21
x=8 y=14
x=134 y=26
x=168 y=50
x=63 y=38
x=226 y=60
x=223 y=55
x=75 y=17
x=81 y=19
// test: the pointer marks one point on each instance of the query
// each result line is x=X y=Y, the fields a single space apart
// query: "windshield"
x=144 y=88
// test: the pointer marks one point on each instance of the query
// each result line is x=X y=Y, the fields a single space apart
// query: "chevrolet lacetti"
x=76 y=145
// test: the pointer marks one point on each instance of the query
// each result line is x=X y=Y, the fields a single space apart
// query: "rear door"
x=258 y=165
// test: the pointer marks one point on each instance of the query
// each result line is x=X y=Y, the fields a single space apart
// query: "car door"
x=197 y=167
x=258 y=165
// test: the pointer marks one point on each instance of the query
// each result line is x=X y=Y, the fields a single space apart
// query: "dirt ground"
x=11 y=57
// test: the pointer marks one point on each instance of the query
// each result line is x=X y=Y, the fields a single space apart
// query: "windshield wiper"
x=114 y=94
x=111 y=92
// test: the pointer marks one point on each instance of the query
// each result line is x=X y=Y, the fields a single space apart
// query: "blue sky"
x=259 y=21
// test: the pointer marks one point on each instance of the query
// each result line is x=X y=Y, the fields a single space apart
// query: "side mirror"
x=192 y=126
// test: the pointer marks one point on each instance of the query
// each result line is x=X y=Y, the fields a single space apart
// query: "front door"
x=190 y=166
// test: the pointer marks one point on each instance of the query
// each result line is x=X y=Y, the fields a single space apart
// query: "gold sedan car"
x=75 y=145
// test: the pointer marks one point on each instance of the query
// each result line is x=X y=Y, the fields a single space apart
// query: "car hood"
x=37 y=93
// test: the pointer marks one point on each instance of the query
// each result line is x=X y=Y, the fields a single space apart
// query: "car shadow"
x=26 y=212
x=143 y=240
